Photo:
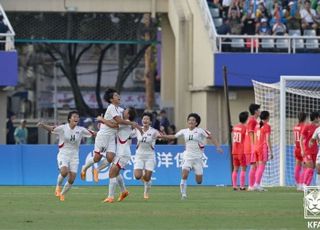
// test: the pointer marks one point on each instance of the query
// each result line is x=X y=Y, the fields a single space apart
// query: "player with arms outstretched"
x=193 y=155
x=70 y=136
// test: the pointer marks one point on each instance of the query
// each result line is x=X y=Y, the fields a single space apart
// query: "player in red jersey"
x=239 y=159
x=309 y=150
x=263 y=148
x=254 y=110
x=298 y=170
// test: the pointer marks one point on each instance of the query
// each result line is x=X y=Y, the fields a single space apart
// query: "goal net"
x=284 y=100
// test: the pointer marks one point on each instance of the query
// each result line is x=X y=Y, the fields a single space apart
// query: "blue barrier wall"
x=9 y=68
x=37 y=165
x=264 y=67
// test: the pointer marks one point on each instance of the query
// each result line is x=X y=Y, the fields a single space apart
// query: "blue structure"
x=8 y=68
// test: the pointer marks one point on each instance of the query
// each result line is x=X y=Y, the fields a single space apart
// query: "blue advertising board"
x=37 y=165
x=242 y=68
x=9 y=68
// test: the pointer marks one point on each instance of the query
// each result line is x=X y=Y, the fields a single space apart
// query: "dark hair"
x=243 y=117
x=253 y=108
x=132 y=113
x=302 y=116
x=195 y=116
x=71 y=113
x=314 y=115
x=264 y=115
x=148 y=115
x=108 y=94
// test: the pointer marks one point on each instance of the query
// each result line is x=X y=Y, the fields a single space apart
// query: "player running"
x=193 y=155
x=239 y=158
x=70 y=136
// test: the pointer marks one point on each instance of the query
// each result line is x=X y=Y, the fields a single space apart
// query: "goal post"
x=284 y=100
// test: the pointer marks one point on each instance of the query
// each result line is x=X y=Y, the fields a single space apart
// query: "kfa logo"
x=312 y=202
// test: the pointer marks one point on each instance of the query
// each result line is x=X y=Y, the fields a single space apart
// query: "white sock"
x=112 y=186
x=183 y=187
x=66 y=188
x=88 y=164
x=147 y=186
x=60 y=180
x=121 y=183
x=103 y=164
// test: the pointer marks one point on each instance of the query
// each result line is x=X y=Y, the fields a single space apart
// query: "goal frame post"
x=283 y=146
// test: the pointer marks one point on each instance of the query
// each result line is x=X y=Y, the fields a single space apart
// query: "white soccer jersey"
x=195 y=141
x=316 y=134
x=146 y=143
x=111 y=112
x=123 y=140
x=69 y=139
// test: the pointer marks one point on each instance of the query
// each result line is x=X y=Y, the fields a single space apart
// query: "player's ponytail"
x=264 y=115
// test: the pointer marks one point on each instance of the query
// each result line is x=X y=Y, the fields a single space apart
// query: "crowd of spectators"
x=266 y=17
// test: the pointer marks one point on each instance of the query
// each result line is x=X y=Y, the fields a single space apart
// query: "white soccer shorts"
x=146 y=164
x=104 y=144
x=193 y=164
x=121 y=161
x=66 y=161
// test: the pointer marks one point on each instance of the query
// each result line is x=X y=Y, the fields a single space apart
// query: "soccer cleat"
x=83 y=174
x=95 y=175
x=57 y=192
x=61 y=197
x=123 y=195
x=242 y=189
x=183 y=196
x=251 y=189
x=108 y=200
x=146 y=196
x=260 y=189
x=235 y=189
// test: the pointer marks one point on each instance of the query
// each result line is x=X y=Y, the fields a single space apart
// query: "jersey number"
x=296 y=135
x=190 y=137
x=72 y=138
x=236 y=137
x=144 y=139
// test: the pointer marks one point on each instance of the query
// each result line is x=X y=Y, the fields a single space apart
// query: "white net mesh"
x=301 y=95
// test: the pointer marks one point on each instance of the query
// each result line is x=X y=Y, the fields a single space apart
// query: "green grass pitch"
x=205 y=208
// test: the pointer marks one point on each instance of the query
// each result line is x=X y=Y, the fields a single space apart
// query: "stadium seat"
x=312 y=43
x=282 y=43
x=237 y=43
x=309 y=33
x=217 y=22
x=267 y=43
x=215 y=12
x=297 y=43
x=294 y=32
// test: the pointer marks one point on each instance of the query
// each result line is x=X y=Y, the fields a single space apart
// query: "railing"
x=9 y=41
x=267 y=43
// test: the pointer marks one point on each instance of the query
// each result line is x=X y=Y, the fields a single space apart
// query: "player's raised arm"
x=42 y=125
x=108 y=123
x=214 y=141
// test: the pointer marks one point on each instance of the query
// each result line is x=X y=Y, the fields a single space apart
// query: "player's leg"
x=252 y=173
x=72 y=173
x=309 y=169
x=262 y=158
x=138 y=168
x=121 y=163
x=318 y=170
x=149 y=167
x=236 y=164
x=63 y=172
x=243 y=165
x=113 y=173
x=297 y=173
x=186 y=167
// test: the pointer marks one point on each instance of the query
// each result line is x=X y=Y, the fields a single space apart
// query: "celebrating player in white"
x=123 y=156
x=145 y=160
x=105 y=141
x=70 y=136
x=192 y=157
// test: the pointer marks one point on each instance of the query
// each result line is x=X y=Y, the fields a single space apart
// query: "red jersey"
x=238 y=136
x=251 y=124
x=297 y=135
x=261 y=135
x=307 y=133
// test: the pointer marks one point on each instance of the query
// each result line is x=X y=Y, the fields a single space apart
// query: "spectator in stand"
x=217 y=4
x=309 y=18
x=264 y=28
x=3 y=29
x=318 y=8
x=235 y=21
x=10 y=129
x=261 y=12
x=248 y=20
x=155 y=121
x=21 y=133
x=292 y=16
x=277 y=14
x=164 y=121
x=225 y=5
x=279 y=28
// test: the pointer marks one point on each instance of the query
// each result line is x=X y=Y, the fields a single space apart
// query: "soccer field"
x=205 y=208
